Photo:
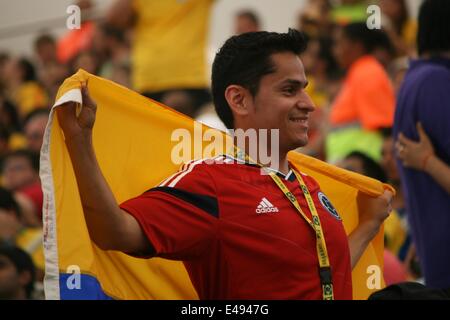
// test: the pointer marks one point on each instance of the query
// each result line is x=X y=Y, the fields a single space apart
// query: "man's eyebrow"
x=298 y=83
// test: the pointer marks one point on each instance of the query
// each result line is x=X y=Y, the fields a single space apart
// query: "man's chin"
x=299 y=143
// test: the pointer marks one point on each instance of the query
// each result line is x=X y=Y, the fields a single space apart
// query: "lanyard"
x=321 y=247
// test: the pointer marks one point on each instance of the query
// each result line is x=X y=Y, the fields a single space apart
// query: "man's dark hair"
x=244 y=59
x=22 y=262
x=252 y=16
x=7 y=202
x=32 y=157
x=370 y=39
x=371 y=167
x=433 y=35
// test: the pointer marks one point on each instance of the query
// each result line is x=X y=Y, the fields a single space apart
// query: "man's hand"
x=373 y=211
x=79 y=126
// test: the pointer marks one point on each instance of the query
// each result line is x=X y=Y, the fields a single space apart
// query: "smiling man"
x=240 y=233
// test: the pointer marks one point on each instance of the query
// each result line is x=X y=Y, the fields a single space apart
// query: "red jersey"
x=239 y=236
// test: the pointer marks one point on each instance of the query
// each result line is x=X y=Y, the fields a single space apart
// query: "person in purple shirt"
x=423 y=105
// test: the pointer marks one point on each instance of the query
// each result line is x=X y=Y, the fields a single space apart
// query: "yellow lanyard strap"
x=322 y=253
x=321 y=247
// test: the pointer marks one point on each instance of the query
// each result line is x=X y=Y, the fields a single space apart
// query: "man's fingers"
x=388 y=195
x=87 y=100
x=66 y=113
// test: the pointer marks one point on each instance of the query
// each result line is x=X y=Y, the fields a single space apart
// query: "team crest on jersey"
x=328 y=206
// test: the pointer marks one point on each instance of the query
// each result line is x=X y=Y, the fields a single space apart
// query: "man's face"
x=9 y=279
x=282 y=103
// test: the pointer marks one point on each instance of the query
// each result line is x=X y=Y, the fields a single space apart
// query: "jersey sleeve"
x=179 y=217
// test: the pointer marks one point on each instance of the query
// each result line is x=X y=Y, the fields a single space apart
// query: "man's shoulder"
x=205 y=170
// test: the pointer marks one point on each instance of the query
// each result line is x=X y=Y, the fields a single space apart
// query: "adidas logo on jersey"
x=265 y=207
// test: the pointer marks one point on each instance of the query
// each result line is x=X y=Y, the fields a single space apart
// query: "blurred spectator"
x=50 y=71
x=4 y=141
x=366 y=100
x=17 y=274
x=384 y=50
x=424 y=98
x=314 y=18
x=359 y=162
x=324 y=78
x=181 y=101
x=87 y=61
x=168 y=51
x=34 y=128
x=52 y=77
x=246 y=21
x=398 y=238
x=20 y=173
x=112 y=45
x=45 y=49
x=397 y=71
x=350 y=11
x=401 y=28
x=14 y=232
x=22 y=86
x=10 y=122
x=77 y=40
x=20 y=169
x=4 y=57
x=45 y=52
x=393 y=270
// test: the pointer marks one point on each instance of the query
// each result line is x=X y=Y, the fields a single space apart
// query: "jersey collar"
x=290 y=176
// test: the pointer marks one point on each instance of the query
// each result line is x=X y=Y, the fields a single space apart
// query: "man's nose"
x=305 y=103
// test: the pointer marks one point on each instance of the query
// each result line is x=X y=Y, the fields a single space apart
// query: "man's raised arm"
x=109 y=227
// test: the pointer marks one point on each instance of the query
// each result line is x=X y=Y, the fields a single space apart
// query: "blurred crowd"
x=158 y=48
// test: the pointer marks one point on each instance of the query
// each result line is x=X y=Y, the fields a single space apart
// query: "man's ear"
x=236 y=98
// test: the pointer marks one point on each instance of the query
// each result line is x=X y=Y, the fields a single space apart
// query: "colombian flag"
x=132 y=141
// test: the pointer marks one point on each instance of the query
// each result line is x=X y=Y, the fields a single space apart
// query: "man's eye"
x=289 y=90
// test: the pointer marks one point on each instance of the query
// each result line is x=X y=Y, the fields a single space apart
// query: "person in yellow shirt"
x=169 y=47
x=22 y=86
x=402 y=29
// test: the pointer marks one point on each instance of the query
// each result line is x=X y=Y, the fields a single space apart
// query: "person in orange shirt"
x=77 y=40
x=366 y=101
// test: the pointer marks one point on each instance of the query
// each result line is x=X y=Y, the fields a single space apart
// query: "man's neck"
x=277 y=162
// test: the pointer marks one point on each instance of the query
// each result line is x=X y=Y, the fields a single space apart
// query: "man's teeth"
x=298 y=120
